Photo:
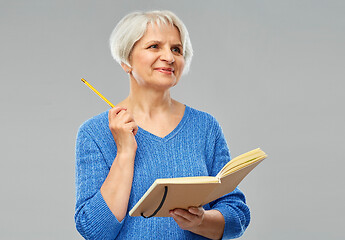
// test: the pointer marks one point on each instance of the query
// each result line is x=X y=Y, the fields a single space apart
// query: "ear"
x=125 y=67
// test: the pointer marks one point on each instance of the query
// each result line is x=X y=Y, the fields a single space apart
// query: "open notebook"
x=169 y=193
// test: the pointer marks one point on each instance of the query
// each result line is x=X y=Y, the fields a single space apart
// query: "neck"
x=148 y=101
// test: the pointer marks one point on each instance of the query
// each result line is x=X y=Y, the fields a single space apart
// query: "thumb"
x=199 y=211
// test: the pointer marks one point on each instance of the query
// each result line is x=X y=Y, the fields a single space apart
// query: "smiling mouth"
x=165 y=70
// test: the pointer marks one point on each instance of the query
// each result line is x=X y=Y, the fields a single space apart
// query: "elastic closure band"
x=160 y=205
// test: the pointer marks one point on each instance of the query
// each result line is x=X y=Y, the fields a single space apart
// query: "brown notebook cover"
x=170 y=193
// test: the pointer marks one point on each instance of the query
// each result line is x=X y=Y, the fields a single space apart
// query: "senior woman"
x=149 y=135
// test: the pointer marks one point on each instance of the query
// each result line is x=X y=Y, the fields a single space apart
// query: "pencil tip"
x=83 y=80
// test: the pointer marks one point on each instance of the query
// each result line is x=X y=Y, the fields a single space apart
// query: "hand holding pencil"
x=121 y=122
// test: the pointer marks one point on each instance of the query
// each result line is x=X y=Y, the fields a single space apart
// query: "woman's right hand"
x=123 y=128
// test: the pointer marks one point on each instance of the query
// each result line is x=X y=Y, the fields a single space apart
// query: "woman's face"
x=156 y=59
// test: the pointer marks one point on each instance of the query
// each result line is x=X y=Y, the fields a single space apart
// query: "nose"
x=167 y=56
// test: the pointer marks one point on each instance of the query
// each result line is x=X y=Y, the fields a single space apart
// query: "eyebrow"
x=159 y=42
x=178 y=45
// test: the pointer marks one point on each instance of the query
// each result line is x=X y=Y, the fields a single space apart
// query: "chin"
x=165 y=86
x=159 y=82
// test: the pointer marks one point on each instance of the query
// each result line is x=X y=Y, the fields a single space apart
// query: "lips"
x=165 y=70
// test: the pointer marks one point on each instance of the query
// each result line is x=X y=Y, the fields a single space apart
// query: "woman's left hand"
x=189 y=219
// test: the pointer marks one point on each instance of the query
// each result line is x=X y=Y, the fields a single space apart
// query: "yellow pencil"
x=98 y=93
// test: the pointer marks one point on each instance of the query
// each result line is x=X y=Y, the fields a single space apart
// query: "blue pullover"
x=196 y=147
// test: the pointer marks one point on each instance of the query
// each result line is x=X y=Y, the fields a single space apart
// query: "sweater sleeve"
x=93 y=218
x=233 y=205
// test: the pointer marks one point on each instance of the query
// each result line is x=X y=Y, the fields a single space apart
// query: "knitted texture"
x=196 y=147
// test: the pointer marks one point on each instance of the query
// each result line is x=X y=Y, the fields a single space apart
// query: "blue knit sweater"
x=196 y=147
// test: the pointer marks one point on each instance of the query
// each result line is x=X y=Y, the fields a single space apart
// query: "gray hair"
x=134 y=25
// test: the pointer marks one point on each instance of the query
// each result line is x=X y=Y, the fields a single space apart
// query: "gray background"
x=271 y=72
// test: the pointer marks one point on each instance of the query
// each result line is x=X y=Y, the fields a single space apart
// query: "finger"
x=124 y=117
x=133 y=127
x=184 y=214
x=179 y=219
x=199 y=211
x=116 y=110
x=121 y=113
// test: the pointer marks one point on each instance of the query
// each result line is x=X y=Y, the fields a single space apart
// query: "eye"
x=153 y=46
x=176 y=49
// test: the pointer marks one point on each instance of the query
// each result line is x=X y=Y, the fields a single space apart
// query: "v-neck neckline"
x=170 y=135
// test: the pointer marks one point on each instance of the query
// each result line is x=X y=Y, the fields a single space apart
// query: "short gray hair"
x=134 y=25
